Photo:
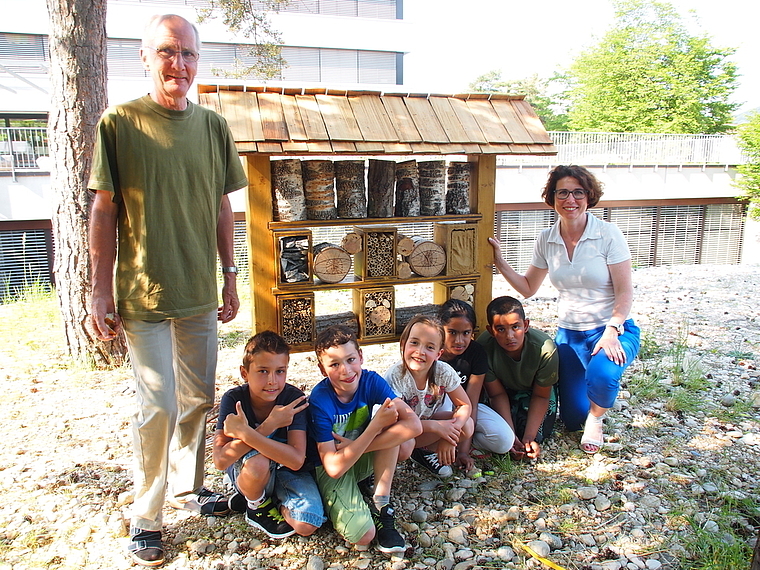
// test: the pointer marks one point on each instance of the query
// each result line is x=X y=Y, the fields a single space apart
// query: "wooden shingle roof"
x=280 y=121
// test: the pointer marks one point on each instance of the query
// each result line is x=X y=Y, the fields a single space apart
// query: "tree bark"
x=458 y=188
x=380 y=188
x=432 y=187
x=407 y=189
x=350 y=189
x=78 y=74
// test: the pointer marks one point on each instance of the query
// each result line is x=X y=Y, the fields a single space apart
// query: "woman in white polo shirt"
x=589 y=262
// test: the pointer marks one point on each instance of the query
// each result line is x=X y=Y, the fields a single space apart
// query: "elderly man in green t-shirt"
x=522 y=377
x=161 y=172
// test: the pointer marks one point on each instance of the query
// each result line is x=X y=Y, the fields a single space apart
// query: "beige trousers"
x=174 y=364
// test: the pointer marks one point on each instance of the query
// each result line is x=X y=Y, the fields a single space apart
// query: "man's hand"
x=236 y=424
x=230 y=300
x=282 y=416
x=105 y=323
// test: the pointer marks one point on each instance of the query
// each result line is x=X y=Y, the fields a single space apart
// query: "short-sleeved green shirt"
x=538 y=364
x=168 y=171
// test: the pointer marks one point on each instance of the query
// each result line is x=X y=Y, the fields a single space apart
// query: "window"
x=24 y=53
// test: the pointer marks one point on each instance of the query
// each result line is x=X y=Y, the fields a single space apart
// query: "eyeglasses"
x=171 y=53
x=564 y=194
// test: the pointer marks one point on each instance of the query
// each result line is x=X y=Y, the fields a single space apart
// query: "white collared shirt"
x=586 y=295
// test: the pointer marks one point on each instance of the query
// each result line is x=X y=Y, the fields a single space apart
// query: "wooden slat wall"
x=295 y=121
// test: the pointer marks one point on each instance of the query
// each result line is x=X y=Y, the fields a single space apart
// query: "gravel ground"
x=679 y=470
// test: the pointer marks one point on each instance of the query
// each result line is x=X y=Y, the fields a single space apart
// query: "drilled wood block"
x=460 y=240
x=377 y=259
x=295 y=315
x=377 y=313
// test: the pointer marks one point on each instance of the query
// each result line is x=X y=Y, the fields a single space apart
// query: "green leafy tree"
x=250 y=18
x=536 y=91
x=749 y=182
x=649 y=74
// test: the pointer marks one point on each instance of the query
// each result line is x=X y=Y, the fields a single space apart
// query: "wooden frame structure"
x=267 y=122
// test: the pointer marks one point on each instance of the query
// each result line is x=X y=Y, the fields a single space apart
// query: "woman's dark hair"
x=454 y=308
x=587 y=181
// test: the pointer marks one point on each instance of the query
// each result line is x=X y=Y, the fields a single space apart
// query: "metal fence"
x=635 y=148
x=26 y=148
x=23 y=148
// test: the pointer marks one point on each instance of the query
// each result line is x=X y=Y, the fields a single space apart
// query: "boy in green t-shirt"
x=523 y=364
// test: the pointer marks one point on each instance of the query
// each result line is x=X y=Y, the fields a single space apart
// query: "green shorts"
x=346 y=507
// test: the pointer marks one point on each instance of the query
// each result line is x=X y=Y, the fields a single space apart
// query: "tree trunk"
x=77 y=43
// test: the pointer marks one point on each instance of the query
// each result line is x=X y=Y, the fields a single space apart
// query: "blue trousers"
x=584 y=378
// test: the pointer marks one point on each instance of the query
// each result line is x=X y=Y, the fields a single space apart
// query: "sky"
x=464 y=39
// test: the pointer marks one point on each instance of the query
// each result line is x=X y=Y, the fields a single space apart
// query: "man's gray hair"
x=157 y=20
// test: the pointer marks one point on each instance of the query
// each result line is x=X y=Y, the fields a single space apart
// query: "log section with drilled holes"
x=331 y=262
x=427 y=258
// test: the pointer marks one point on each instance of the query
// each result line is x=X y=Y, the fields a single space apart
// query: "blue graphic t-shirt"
x=328 y=414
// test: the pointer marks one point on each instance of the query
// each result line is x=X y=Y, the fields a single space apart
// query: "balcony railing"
x=636 y=148
x=23 y=148
x=26 y=148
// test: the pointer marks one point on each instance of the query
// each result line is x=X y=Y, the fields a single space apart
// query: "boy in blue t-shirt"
x=358 y=425
x=260 y=442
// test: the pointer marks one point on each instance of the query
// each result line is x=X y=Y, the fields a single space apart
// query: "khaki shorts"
x=345 y=504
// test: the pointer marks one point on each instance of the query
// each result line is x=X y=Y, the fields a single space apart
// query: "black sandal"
x=146 y=548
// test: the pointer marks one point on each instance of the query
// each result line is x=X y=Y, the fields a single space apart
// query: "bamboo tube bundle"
x=432 y=187
x=288 y=201
x=380 y=188
x=350 y=189
x=296 y=318
x=407 y=189
x=319 y=189
x=458 y=188
x=427 y=258
x=331 y=262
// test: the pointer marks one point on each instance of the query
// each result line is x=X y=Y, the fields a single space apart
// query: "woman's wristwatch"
x=620 y=329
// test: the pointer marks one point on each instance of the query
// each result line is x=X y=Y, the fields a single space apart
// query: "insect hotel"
x=404 y=183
